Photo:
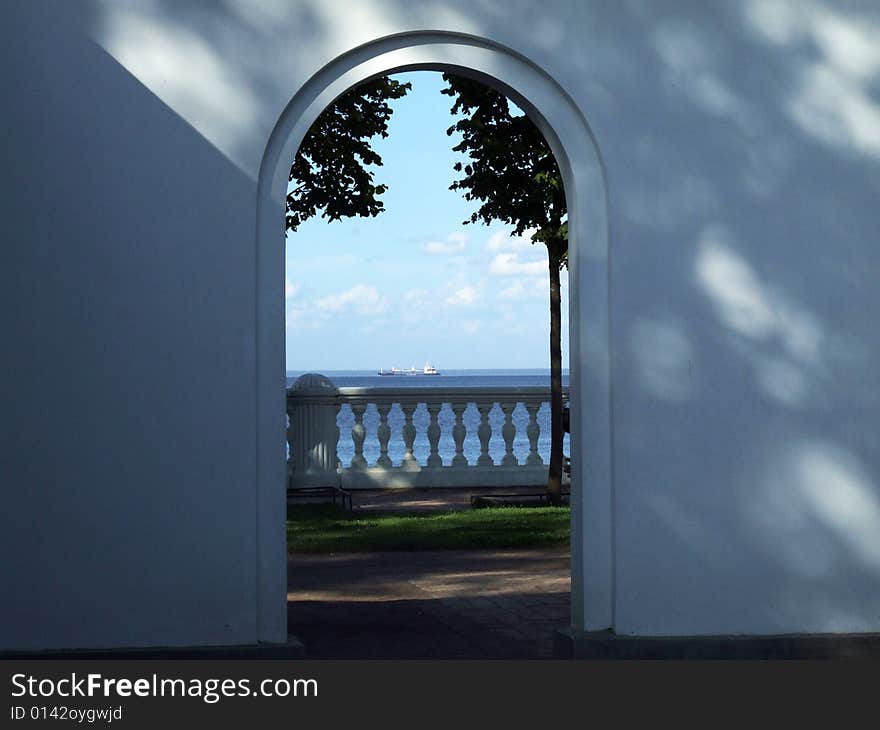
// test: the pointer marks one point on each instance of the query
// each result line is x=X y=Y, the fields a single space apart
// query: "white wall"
x=741 y=145
x=127 y=280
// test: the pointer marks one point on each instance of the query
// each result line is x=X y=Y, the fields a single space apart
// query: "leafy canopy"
x=510 y=169
x=330 y=169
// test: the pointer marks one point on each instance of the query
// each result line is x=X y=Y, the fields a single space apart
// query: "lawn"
x=324 y=528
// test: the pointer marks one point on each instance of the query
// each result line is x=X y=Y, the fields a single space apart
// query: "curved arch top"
x=565 y=127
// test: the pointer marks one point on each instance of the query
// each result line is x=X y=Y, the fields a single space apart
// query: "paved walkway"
x=462 y=604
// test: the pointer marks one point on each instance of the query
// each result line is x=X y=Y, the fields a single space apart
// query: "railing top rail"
x=445 y=395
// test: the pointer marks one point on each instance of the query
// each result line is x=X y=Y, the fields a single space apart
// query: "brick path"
x=459 y=604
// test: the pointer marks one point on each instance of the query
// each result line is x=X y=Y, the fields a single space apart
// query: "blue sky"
x=414 y=284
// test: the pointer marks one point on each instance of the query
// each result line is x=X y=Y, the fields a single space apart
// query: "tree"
x=513 y=173
x=330 y=169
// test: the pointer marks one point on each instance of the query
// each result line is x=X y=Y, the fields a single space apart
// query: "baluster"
x=508 y=431
x=408 y=433
x=434 y=460
x=358 y=434
x=484 y=432
x=290 y=436
x=533 y=431
x=336 y=437
x=459 y=431
x=383 y=433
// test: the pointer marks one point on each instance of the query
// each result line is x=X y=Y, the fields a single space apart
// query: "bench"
x=514 y=499
x=333 y=493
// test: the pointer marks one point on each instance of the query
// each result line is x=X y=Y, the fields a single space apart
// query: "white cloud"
x=454 y=243
x=418 y=304
x=291 y=288
x=361 y=299
x=300 y=319
x=416 y=295
x=463 y=297
x=507 y=264
x=471 y=326
x=517 y=290
x=526 y=288
x=503 y=241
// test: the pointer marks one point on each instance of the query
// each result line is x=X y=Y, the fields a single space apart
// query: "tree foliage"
x=511 y=169
x=512 y=173
x=330 y=172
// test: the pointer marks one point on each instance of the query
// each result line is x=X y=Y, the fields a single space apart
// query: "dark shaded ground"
x=483 y=604
x=423 y=499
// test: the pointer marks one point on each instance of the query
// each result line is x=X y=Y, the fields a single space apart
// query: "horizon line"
x=370 y=370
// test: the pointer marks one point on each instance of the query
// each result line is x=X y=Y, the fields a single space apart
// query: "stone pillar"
x=312 y=405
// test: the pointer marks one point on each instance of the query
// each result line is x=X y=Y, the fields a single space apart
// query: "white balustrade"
x=313 y=405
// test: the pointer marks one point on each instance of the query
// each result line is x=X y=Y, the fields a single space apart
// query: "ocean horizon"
x=451 y=378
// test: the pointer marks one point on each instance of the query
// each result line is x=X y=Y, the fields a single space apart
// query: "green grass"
x=324 y=528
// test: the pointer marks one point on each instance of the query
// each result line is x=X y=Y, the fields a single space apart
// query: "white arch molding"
x=565 y=128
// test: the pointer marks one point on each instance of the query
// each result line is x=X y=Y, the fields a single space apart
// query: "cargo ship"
x=427 y=370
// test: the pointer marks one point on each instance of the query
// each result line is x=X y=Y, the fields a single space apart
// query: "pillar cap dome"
x=314 y=383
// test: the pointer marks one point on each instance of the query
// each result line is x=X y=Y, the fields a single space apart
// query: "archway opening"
x=402 y=277
x=563 y=125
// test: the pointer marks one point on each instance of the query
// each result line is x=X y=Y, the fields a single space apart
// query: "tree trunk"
x=554 y=478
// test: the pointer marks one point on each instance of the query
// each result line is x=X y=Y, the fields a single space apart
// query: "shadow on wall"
x=229 y=89
x=742 y=147
x=742 y=167
x=125 y=225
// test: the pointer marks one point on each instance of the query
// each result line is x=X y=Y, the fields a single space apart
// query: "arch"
x=566 y=130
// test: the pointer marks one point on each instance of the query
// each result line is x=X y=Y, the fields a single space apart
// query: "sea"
x=482 y=378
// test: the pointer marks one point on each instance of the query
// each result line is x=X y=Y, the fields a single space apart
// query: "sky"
x=415 y=284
